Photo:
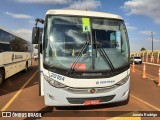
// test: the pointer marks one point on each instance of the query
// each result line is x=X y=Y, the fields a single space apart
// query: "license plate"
x=91 y=102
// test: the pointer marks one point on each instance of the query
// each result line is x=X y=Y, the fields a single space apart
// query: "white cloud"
x=19 y=16
x=85 y=4
x=45 y=1
x=154 y=40
x=73 y=4
x=32 y=22
x=147 y=32
x=129 y=27
x=24 y=33
x=148 y=8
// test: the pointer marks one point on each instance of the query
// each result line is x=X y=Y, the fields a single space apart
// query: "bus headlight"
x=123 y=81
x=53 y=82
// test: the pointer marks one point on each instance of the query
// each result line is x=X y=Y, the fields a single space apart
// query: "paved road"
x=20 y=93
x=152 y=70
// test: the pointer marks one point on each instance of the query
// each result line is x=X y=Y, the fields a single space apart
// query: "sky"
x=141 y=16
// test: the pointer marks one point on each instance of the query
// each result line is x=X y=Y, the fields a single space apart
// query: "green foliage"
x=36 y=47
x=143 y=48
x=19 y=45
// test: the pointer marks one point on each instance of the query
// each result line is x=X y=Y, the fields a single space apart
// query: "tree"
x=143 y=48
x=36 y=47
x=19 y=45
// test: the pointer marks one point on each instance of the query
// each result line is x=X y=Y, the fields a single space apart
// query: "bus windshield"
x=66 y=38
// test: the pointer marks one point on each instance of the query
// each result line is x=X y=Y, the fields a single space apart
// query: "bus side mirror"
x=35 y=35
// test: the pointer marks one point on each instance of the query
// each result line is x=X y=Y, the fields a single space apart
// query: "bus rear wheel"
x=1 y=76
x=26 y=67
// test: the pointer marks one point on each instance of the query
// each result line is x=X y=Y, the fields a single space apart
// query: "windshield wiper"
x=77 y=59
x=105 y=57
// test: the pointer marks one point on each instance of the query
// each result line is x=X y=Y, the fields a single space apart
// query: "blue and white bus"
x=84 y=58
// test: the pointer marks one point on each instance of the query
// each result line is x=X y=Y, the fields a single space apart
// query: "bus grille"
x=87 y=90
x=82 y=100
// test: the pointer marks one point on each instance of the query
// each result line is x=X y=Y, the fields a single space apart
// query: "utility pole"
x=152 y=47
x=152 y=40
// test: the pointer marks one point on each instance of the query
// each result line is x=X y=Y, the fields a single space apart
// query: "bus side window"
x=115 y=40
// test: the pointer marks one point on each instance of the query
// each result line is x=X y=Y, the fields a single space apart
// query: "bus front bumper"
x=59 y=97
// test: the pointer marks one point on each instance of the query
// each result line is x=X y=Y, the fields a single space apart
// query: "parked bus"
x=84 y=58
x=15 y=54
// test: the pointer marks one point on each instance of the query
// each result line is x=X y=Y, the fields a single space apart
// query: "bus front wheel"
x=1 y=76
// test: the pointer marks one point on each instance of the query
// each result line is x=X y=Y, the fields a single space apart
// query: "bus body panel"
x=82 y=83
x=11 y=57
x=83 y=13
x=41 y=80
x=14 y=62
x=58 y=97
x=40 y=63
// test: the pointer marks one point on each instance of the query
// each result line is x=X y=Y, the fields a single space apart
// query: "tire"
x=127 y=101
x=1 y=76
x=26 y=68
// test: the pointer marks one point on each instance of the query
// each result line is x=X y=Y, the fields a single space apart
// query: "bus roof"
x=83 y=13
